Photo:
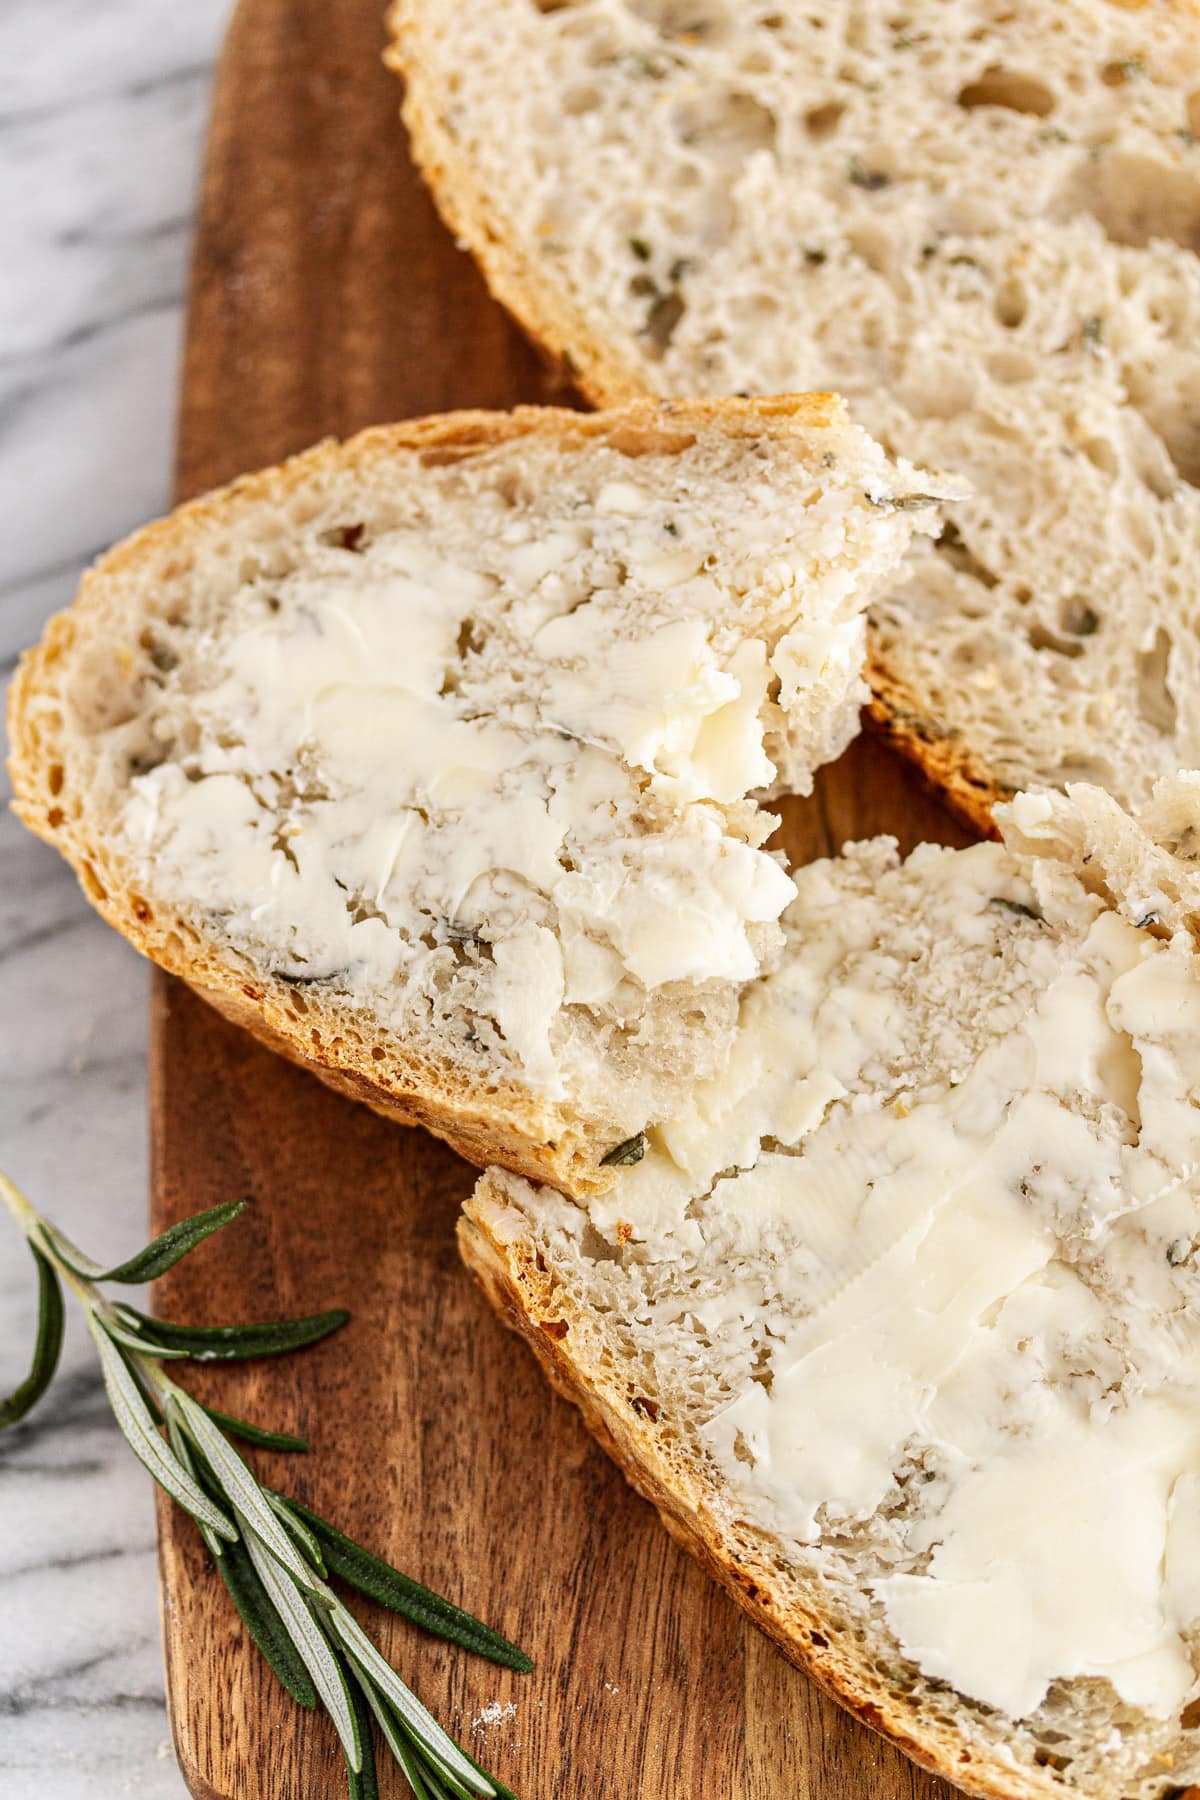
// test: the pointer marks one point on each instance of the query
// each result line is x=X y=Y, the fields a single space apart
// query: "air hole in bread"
x=579 y=100
x=1011 y=303
x=1137 y=199
x=161 y=655
x=1175 y=434
x=823 y=121
x=1008 y=88
x=1042 y=638
x=54 y=778
x=90 y=882
x=956 y=552
x=439 y=456
x=872 y=244
x=98 y=697
x=1156 y=702
x=1077 y=617
x=1101 y=455
x=733 y=123
x=662 y=320
x=942 y=388
x=679 y=18
x=344 y=537
x=1011 y=367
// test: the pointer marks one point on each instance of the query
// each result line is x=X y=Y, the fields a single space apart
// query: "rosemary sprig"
x=274 y=1555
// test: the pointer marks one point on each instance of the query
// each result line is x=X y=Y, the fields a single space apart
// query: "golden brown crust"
x=942 y=757
x=526 y=1299
x=541 y=1139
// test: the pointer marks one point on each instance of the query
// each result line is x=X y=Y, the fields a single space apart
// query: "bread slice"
x=977 y=222
x=898 y=1324
x=428 y=756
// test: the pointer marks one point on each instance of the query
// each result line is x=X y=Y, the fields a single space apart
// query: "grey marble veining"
x=102 y=106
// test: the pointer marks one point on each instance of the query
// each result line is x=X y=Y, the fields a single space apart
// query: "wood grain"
x=326 y=296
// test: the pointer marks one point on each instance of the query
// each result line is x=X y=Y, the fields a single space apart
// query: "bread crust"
x=943 y=757
x=527 y=1301
x=539 y=1138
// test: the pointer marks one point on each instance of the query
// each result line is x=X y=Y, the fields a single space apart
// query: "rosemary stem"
x=90 y=1296
x=31 y=1223
x=17 y=1204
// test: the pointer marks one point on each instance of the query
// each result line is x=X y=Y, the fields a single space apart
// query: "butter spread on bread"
x=430 y=756
x=899 y=1320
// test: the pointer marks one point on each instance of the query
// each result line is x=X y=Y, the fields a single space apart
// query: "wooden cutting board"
x=326 y=296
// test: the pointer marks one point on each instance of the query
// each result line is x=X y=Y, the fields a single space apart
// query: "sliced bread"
x=429 y=756
x=978 y=221
x=898 y=1324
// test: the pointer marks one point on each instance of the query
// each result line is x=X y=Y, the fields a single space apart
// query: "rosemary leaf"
x=417 y=1718
x=502 y=1792
x=398 y=1742
x=235 y=1343
x=630 y=1150
x=438 y=1779
x=117 y=1329
x=1018 y=907
x=427 y=1777
x=414 y=1774
x=47 y=1346
x=255 y=1434
x=305 y=1539
x=310 y=1644
x=401 y=1594
x=179 y=1444
x=137 y=1425
x=239 y=1486
x=362 y=1783
x=158 y=1256
x=261 y=1618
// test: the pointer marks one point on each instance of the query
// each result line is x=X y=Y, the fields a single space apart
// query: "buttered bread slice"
x=898 y=1323
x=428 y=756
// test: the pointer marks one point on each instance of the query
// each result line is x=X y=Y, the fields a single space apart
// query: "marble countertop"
x=102 y=111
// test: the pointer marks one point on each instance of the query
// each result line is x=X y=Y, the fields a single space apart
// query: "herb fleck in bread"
x=428 y=756
x=898 y=1324
x=978 y=222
